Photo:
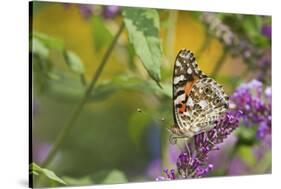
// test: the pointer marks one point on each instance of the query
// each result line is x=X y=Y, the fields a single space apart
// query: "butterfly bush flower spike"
x=201 y=115
x=255 y=103
x=194 y=164
x=233 y=42
x=110 y=11
x=266 y=31
x=87 y=10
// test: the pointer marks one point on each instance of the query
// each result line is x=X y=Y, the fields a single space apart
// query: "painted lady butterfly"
x=198 y=99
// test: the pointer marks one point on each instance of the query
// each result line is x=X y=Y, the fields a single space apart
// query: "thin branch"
x=83 y=80
x=170 y=37
x=71 y=122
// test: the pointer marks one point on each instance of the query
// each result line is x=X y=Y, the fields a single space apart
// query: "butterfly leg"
x=174 y=138
x=187 y=148
x=207 y=138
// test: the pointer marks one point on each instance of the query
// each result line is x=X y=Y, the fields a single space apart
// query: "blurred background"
x=121 y=134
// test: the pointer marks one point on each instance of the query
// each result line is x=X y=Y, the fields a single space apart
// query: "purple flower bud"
x=268 y=92
x=40 y=151
x=110 y=11
x=263 y=130
x=160 y=178
x=86 y=10
x=266 y=31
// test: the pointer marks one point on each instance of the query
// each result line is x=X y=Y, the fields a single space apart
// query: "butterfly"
x=198 y=100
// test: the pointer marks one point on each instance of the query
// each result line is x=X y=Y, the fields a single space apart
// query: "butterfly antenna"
x=187 y=148
x=208 y=139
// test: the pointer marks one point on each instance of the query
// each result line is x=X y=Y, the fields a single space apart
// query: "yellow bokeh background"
x=69 y=25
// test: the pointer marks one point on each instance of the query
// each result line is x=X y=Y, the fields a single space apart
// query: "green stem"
x=83 y=80
x=218 y=65
x=70 y=123
x=170 y=38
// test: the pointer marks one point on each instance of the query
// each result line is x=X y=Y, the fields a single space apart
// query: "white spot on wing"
x=190 y=102
x=195 y=129
x=178 y=79
x=180 y=98
x=178 y=63
x=187 y=56
x=189 y=71
x=187 y=113
x=203 y=104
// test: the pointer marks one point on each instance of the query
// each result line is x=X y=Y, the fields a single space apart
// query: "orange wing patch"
x=187 y=90
x=189 y=85
x=182 y=108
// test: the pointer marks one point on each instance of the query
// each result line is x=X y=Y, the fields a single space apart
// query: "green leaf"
x=131 y=55
x=264 y=165
x=74 y=62
x=51 y=42
x=114 y=177
x=143 y=29
x=53 y=76
x=69 y=89
x=39 y=48
x=246 y=135
x=101 y=34
x=51 y=175
x=38 y=6
x=246 y=155
x=78 y=182
x=137 y=124
x=131 y=83
x=34 y=168
x=34 y=173
x=252 y=27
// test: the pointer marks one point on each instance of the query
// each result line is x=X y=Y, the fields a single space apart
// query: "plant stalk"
x=71 y=122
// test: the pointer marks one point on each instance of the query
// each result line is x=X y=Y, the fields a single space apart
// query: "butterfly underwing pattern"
x=198 y=100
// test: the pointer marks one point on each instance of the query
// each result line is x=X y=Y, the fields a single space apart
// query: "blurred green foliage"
x=112 y=140
x=101 y=35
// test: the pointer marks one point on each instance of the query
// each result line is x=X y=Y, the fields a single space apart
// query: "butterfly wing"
x=198 y=99
x=186 y=73
x=209 y=103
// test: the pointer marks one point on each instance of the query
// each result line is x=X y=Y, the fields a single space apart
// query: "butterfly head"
x=174 y=130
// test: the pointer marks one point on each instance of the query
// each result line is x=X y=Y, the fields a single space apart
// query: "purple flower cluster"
x=189 y=167
x=264 y=67
x=88 y=10
x=235 y=44
x=85 y=10
x=204 y=143
x=193 y=162
x=219 y=29
x=266 y=31
x=110 y=11
x=40 y=150
x=255 y=103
